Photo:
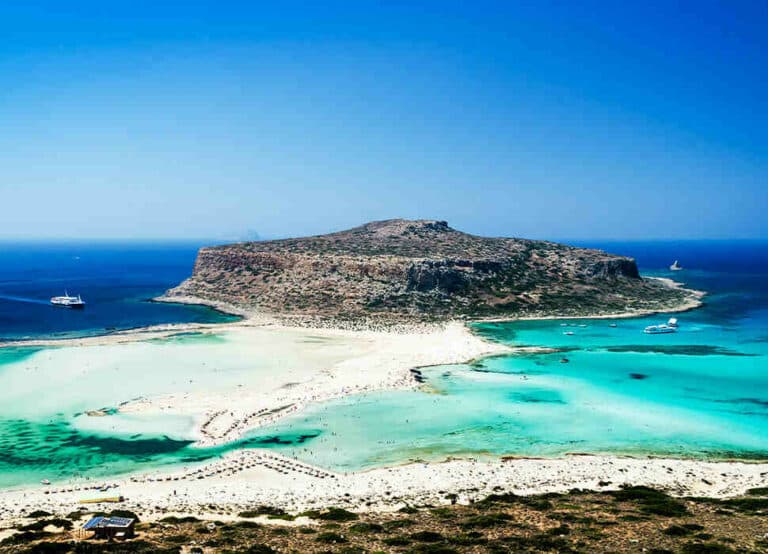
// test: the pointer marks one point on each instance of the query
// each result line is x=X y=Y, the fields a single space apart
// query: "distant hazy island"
x=402 y=270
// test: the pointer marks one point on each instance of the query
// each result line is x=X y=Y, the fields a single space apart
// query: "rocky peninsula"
x=423 y=270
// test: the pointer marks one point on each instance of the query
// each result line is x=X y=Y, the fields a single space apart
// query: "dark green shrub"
x=50 y=548
x=676 y=531
x=746 y=505
x=260 y=549
x=23 y=537
x=468 y=539
x=427 y=536
x=484 y=521
x=558 y=531
x=432 y=549
x=540 y=543
x=247 y=525
x=40 y=524
x=397 y=524
x=337 y=514
x=329 y=537
x=124 y=513
x=366 y=527
x=651 y=501
x=397 y=541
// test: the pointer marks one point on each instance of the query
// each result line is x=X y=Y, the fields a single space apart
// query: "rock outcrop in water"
x=404 y=270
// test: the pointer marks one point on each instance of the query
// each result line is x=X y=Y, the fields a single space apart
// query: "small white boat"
x=673 y=322
x=612 y=325
x=676 y=267
x=568 y=333
x=45 y=482
x=659 y=329
x=68 y=301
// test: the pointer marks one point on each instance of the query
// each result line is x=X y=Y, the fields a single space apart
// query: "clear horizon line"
x=269 y=238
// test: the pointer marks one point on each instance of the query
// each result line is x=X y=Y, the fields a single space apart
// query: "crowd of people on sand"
x=225 y=468
x=84 y=488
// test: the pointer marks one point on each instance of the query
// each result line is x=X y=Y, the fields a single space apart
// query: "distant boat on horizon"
x=676 y=267
x=68 y=301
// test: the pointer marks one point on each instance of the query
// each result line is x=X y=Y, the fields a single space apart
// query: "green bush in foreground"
x=337 y=514
x=260 y=549
x=427 y=536
x=330 y=537
x=651 y=501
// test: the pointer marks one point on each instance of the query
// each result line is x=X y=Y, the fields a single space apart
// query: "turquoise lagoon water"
x=702 y=392
x=46 y=434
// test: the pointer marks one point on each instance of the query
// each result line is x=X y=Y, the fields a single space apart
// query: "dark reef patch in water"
x=279 y=440
x=55 y=449
x=753 y=401
x=677 y=349
x=538 y=397
x=125 y=447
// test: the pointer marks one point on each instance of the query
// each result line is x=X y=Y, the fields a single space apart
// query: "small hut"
x=110 y=528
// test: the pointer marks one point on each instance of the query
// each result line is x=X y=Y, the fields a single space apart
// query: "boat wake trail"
x=13 y=298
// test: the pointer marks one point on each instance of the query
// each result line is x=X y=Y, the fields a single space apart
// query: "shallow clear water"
x=701 y=392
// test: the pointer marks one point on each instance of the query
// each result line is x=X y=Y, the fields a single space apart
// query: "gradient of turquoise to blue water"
x=116 y=279
x=702 y=392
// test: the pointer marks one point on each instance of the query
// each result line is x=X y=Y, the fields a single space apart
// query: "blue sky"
x=542 y=119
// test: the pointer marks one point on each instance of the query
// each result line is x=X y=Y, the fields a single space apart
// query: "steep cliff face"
x=420 y=269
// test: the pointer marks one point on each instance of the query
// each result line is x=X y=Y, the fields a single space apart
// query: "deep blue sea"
x=701 y=392
x=116 y=279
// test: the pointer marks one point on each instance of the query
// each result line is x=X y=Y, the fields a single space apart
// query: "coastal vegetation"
x=629 y=519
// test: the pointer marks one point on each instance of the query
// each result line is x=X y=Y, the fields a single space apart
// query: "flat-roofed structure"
x=110 y=528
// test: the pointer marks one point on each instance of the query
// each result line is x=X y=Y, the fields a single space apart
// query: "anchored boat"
x=668 y=327
x=68 y=301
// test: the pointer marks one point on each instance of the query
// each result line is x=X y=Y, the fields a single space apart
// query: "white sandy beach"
x=246 y=479
x=264 y=371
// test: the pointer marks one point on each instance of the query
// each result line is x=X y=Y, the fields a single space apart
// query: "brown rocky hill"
x=401 y=269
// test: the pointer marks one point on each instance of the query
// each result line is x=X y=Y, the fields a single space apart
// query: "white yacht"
x=676 y=267
x=68 y=301
x=659 y=329
x=668 y=327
